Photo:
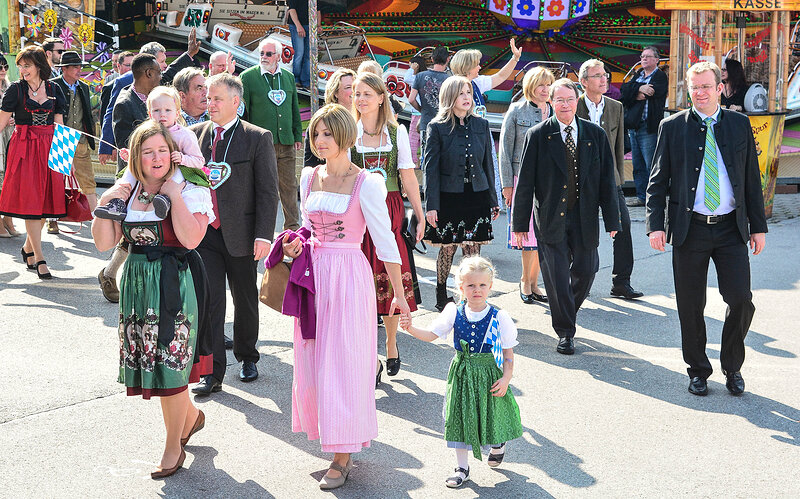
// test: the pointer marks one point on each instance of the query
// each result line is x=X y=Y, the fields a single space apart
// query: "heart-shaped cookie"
x=277 y=96
x=218 y=173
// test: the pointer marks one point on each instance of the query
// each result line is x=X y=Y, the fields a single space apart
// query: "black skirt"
x=464 y=217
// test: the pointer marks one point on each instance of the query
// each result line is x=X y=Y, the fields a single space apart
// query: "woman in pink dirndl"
x=333 y=392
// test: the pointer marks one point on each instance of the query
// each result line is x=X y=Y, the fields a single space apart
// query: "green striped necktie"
x=710 y=167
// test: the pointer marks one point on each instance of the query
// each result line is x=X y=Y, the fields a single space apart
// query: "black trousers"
x=723 y=244
x=623 y=246
x=241 y=275
x=568 y=270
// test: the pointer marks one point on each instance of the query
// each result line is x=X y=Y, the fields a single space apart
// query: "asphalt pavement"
x=613 y=420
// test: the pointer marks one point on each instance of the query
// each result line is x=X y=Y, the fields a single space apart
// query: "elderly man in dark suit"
x=608 y=114
x=244 y=177
x=567 y=174
x=706 y=161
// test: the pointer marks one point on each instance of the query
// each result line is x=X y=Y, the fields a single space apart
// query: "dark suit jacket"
x=184 y=61
x=542 y=184
x=86 y=104
x=248 y=200
x=129 y=112
x=655 y=103
x=676 y=170
x=105 y=98
x=612 y=122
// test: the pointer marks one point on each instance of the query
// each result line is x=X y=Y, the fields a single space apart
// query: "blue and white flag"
x=493 y=338
x=62 y=150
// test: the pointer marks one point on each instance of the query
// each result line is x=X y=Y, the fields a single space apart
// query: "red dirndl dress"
x=31 y=190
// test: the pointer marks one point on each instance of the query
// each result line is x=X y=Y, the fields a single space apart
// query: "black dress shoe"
x=735 y=383
x=228 y=343
x=538 y=297
x=248 y=372
x=698 y=386
x=207 y=385
x=393 y=364
x=626 y=291
x=566 y=346
x=528 y=299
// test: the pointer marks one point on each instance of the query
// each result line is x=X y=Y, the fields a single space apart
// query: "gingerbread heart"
x=218 y=173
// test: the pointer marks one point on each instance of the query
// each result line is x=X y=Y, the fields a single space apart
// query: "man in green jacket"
x=270 y=101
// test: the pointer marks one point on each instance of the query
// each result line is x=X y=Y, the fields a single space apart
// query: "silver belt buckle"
x=711 y=219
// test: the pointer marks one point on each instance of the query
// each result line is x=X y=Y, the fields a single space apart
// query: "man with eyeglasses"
x=607 y=113
x=568 y=167
x=706 y=161
x=644 y=98
x=270 y=101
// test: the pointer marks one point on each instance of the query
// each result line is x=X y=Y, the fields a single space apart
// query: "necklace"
x=36 y=92
x=328 y=175
x=146 y=198
x=377 y=132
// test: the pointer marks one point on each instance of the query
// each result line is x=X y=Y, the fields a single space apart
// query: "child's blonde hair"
x=474 y=265
x=162 y=91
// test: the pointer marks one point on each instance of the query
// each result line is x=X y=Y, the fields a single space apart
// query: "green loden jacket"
x=284 y=120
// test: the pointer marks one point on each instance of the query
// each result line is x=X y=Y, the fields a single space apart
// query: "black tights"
x=445 y=259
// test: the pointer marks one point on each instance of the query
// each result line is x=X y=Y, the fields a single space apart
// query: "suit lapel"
x=557 y=149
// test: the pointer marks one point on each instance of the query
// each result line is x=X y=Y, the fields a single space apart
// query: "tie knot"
x=709 y=121
x=568 y=129
x=219 y=131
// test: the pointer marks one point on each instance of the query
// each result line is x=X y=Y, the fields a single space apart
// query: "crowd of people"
x=206 y=158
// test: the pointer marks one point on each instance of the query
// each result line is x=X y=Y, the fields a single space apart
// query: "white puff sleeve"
x=404 y=159
x=198 y=200
x=372 y=198
x=443 y=324
x=508 y=330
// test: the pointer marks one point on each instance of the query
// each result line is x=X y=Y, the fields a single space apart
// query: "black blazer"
x=86 y=104
x=248 y=200
x=105 y=98
x=676 y=170
x=655 y=103
x=128 y=113
x=542 y=184
x=444 y=158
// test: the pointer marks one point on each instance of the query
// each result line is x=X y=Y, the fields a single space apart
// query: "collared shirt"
x=141 y=96
x=72 y=87
x=595 y=110
x=645 y=79
x=726 y=202
x=573 y=132
x=191 y=120
x=273 y=73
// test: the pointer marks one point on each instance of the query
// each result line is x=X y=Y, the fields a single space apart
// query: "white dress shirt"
x=573 y=132
x=595 y=110
x=726 y=202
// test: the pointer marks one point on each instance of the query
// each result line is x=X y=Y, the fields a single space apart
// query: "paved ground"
x=614 y=420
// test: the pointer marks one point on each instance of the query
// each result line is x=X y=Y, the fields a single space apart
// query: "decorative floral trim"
x=453 y=234
x=384 y=289
x=139 y=348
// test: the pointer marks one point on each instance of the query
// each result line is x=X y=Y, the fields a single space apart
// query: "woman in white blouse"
x=382 y=146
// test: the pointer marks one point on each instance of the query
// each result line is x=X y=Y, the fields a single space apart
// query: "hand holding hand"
x=399 y=304
x=432 y=217
x=500 y=387
x=658 y=239
x=405 y=321
x=260 y=250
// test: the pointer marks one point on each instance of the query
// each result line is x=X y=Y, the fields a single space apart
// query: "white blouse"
x=197 y=199
x=443 y=324
x=404 y=159
x=372 y=199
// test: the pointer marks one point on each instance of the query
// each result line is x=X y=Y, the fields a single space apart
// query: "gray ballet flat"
x=328 y=483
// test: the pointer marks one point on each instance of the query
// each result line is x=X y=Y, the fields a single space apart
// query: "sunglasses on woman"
x=3 y=67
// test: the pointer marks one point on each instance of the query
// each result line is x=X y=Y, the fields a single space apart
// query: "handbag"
x=273 y=285
x=410 y=224
x=77 y=204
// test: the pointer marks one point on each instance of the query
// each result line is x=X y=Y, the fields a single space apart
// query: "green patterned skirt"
x=473 y=416
x=147 y=367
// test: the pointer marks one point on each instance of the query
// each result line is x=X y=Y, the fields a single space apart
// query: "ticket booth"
x=756 y=34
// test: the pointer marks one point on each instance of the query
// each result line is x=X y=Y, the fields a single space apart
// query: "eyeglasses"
x=59 y=51
x=704 y=88
x=268 y=54
x=647 y=57
x=561 y=102
x=607 y=76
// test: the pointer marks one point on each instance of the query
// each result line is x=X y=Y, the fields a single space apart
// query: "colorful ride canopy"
x=540 y=15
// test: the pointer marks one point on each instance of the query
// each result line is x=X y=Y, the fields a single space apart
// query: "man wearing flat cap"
x=79 y=117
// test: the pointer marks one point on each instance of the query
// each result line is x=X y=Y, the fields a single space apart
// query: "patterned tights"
x=445 y=259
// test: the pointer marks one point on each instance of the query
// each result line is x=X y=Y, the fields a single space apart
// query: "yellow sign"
x=85 y=33
x=768 y=132
x=746 y=5
x=50 y=19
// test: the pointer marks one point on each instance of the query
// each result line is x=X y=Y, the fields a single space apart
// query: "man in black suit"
x=567 y=166
x=79 y=116
x=244 y=176
x=123 y=66
x=706 y=160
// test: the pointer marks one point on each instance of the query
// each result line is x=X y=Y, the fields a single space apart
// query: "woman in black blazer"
x=460 y=197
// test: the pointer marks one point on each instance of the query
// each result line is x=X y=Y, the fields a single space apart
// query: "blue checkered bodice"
x=472 y=332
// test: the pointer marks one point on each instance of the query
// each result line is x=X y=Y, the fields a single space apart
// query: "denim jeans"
x=301 y=65
x=643 y=147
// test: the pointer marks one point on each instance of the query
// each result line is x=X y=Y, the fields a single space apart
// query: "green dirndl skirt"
x=147 y=367
x=473 y=415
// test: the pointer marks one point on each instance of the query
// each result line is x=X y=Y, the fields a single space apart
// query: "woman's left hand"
x=500 y=387
x=172 y=189
x=399 y=303
x=420 y=229
x=495 y=212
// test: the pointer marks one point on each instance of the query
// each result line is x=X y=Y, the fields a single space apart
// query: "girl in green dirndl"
x=480 y=410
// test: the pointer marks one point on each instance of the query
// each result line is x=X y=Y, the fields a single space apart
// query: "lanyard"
x=225 y=156
x=364 y=158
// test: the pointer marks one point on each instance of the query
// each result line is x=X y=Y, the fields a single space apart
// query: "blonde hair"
x=370 y=66
x=339 y=122
x=537 y=76
x=385 y=114
x=143 y=132
x=702 y=67
x=474 y=265
x=464 y=61
x=448 y=94
x=170 y=92
x=335 y=84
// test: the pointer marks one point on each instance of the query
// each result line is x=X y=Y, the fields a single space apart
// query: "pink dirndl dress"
x=333 y=392
x=531 y=244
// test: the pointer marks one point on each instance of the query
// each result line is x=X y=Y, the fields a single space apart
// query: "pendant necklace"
x=328 y=175
x=36 y=92
x=145 y=198
x=377 y=168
